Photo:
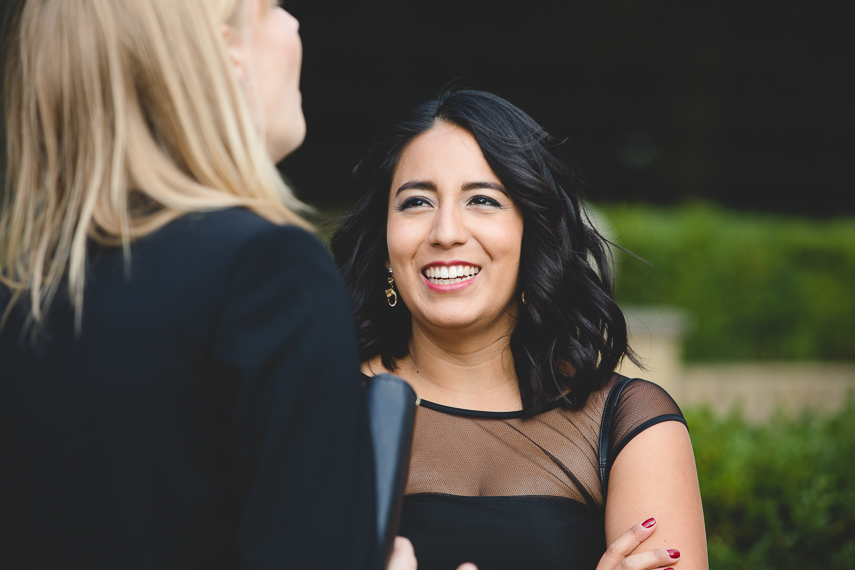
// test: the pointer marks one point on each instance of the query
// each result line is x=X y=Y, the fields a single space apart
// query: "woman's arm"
x=655 y=476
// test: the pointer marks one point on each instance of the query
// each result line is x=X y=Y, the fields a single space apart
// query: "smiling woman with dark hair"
x=477 y=276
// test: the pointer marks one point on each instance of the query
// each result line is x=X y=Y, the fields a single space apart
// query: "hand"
x=617 y=556
x=404 y=557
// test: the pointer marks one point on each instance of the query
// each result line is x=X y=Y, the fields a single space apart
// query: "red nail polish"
x=674 y=553
x=648 y=523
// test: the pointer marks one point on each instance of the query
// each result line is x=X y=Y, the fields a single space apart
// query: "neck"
x=463 y=370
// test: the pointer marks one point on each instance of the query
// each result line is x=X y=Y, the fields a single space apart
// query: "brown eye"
x=414 y=202
x=484 y=201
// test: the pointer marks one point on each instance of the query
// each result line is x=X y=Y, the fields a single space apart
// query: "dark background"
x=747 y=104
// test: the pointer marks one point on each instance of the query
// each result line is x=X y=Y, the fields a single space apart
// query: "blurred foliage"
x=778 y=495
x=754 y=286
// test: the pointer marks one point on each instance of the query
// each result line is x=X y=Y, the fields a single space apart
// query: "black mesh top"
x=511 y=493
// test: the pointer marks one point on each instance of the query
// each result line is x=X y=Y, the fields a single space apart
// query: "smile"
x=449 y=274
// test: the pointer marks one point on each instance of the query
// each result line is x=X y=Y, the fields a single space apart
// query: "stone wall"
x=758 y=389
x=761 y=388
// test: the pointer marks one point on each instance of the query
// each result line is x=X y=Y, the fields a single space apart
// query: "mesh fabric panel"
x=554 y=454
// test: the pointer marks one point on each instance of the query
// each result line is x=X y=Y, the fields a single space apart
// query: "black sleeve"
x=299 y=447
x=633 y=406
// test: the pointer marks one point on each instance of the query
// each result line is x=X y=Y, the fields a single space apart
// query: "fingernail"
x=648 y=523
x=674 y=553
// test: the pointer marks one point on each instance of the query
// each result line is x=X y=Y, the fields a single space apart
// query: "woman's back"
x=179 y=383
x=188 y=426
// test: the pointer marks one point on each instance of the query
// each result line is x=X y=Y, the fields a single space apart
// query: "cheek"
x=504 y=246
x=295 y=51
x=506 y=249
x=287 y=64
x=403 y=239
x=289 y=46
x=278 y=50
x=397 y=243
x=514 y=235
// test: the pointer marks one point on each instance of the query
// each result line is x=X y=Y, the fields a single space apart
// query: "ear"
x=236 y=51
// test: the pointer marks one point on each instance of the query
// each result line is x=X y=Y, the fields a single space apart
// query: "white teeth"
x=447 y=274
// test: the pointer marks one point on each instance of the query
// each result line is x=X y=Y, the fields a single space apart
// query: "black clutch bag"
x=392 y=413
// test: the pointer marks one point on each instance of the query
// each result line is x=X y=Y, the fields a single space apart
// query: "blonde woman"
x=178 y=380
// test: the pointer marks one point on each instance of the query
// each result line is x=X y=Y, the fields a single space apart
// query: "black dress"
x=512 y=493
x=210 y=415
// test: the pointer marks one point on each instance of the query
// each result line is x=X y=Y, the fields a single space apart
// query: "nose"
x=294 y=22
x=448 y=228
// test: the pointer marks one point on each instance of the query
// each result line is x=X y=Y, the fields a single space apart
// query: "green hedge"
x=780 y=495
x=755 y=287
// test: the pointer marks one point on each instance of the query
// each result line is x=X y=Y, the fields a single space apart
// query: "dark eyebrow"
x=491 y=185
x=416 y=185
x=427 y=185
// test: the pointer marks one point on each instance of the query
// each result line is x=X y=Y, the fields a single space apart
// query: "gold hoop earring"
x=391 y=295
x=523 y=297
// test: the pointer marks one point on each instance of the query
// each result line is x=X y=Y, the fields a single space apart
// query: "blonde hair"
x=122 y=115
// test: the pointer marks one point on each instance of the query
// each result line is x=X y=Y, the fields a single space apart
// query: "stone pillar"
x=655 y=335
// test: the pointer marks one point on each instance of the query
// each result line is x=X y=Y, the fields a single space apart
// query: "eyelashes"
x=484 y=201
x=420 y=202
x=414 y=202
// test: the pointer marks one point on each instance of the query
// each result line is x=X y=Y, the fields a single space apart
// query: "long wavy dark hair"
x=570 y=333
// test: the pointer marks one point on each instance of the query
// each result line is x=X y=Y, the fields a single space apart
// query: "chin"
x=288 y=140
x=283 y=148
x=452 y=323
